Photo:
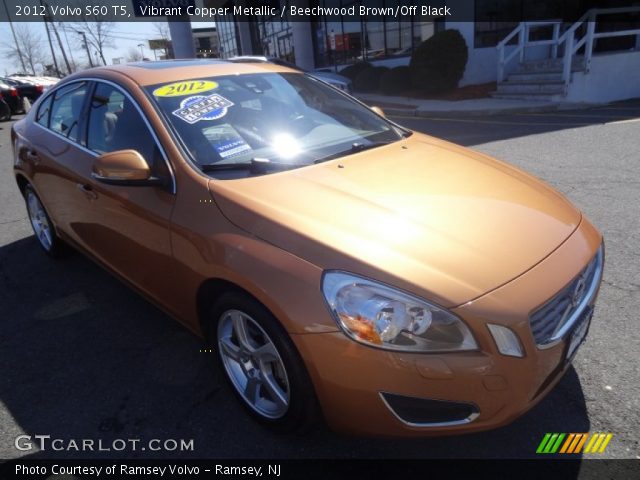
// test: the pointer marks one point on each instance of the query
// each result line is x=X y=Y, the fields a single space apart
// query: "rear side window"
x=67 y=109
x=116 y=124
x=42 y=117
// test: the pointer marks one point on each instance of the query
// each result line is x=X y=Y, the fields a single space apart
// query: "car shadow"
x=84 y=357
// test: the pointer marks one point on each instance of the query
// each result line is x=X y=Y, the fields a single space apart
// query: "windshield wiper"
x=255 y=166
x=355 y=148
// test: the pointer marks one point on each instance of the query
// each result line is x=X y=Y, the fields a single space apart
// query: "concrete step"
x=546 y=87
x=535 y=77
x=549 y=65
x=539 y=97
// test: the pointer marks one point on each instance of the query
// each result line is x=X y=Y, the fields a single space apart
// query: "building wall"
x=614 y=76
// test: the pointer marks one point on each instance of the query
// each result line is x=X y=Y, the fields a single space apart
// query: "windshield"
x=242 y=125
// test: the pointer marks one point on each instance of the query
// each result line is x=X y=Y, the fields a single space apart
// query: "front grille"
x=551 y=321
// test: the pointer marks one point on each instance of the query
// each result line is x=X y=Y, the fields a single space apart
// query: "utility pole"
x=55 y=31
x=86 y=45
x=64 y=54
x=141 y=45
x=66 y=38
x=53 y=53
x=15 y=39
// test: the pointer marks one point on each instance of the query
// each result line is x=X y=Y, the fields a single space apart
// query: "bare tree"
x=161 y=29
x=134 y=55
x=31 y=47
x=98 y=34
x=162 y=32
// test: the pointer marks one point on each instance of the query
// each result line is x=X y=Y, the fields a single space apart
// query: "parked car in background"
x=335 y=80
x=26 y=89
x=12 y=97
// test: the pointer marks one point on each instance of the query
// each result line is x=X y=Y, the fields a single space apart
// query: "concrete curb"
x=417 y=112
x=458 y=108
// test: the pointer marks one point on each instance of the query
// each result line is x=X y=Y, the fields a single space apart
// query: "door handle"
x=87 y=190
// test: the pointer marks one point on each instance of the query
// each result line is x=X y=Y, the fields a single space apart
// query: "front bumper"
x=351 y=379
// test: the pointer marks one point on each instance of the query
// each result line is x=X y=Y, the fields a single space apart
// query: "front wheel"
x=261 y=363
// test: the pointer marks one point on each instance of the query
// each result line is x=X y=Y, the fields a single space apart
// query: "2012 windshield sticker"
x=189 y=87
x=211 y=107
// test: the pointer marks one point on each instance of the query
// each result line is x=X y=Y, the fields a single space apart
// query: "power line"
x=113 y=35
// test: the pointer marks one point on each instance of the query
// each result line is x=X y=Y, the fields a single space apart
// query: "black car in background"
x=26 y=89
x=12 y=97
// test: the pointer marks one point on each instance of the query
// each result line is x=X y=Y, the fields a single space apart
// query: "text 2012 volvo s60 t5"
x=340 y=265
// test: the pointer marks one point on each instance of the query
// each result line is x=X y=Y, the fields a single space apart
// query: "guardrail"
x=568 y=40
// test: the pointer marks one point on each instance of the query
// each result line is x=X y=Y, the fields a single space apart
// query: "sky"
x=125 y=35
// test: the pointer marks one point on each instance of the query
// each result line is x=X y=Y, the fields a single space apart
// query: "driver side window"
x=116 y=124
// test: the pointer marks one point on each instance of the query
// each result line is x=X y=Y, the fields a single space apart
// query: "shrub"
x=352 y=71
x=438 y=63
x=368 y=80
x=396 y=80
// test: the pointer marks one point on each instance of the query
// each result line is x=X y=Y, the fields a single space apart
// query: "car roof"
x=167 y=71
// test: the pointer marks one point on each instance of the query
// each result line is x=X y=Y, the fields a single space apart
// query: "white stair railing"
x=567 y=40
x=523 y=30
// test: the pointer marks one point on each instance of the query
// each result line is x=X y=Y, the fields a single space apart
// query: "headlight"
x=377 y=315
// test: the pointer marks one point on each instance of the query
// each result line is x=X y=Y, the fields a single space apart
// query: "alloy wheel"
x=253 y=364
x=39 y=221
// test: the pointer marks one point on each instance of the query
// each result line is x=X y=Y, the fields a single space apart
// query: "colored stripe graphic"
x=592 y=440
x=605 y=442
x=555 y=447
x=543 y=443
x=550 y=443
x=567 y=443
x=583 y=439
x=574 y=443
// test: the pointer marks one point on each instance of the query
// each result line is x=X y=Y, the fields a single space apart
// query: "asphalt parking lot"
x=84 y=357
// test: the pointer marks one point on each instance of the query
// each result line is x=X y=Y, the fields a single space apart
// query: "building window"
x=347 y=40
x=274 y=37
x=228 y=40
x=495 y=19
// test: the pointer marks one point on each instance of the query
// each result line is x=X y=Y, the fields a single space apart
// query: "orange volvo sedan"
x=338 y=264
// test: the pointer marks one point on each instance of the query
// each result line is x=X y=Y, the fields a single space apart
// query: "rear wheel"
x=261 y=363
x=41 y=224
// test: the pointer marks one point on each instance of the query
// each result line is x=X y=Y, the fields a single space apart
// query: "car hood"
x=425 y=215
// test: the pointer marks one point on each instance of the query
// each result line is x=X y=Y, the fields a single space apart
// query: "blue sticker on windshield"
x=231 y=148
x=199 y=107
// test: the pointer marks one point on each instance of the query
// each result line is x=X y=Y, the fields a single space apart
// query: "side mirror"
x=379 y=111
x=123 y=167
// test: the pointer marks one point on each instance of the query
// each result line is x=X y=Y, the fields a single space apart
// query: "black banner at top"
x=492 y=11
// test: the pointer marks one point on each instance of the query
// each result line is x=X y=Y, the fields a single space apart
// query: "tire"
x=5 y=113
x=273 y=386
x=41 y=224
